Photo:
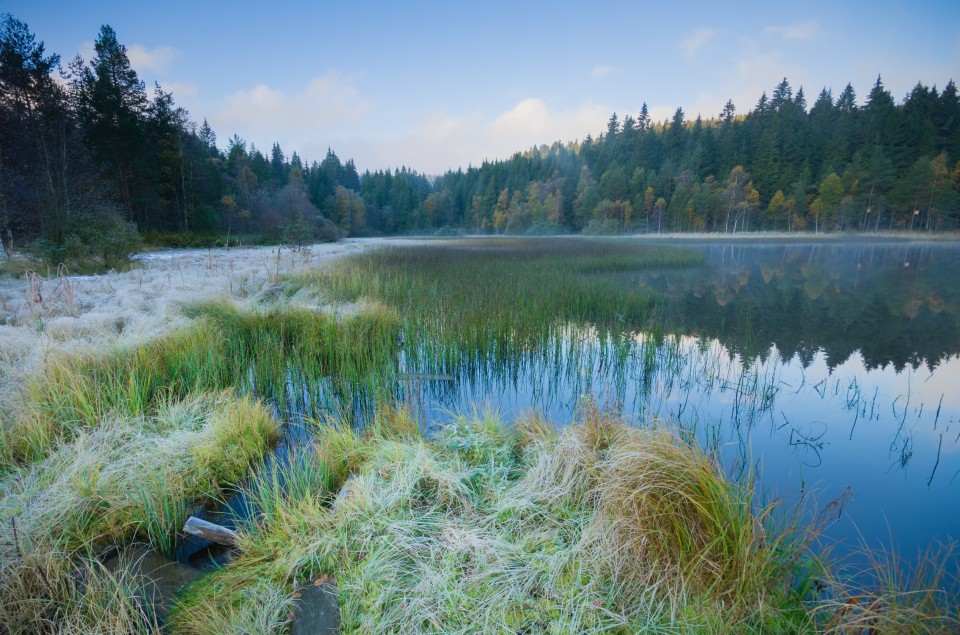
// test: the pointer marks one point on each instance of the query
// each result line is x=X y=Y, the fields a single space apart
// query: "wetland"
x=772 y=425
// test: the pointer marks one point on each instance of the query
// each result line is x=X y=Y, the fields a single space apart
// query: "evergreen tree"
x=112 y=106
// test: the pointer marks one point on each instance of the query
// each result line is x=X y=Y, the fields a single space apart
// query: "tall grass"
x=44 y=596
x=128 y=477
x=495 y=529
x=504 y=296
x=106 y=447
x=889 y=594
x=220 y=349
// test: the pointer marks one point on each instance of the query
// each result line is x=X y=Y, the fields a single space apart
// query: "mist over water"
x=828 y=367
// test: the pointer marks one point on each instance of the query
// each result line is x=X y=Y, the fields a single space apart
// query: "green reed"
x=223 y=347
x=502 y=299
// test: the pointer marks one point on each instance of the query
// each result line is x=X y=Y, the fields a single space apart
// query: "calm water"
x=829 y=367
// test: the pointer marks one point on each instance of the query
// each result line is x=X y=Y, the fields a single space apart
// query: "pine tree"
x=112 y=104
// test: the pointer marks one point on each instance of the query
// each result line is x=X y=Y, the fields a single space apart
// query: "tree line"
x=781 y=166
x=86 y=154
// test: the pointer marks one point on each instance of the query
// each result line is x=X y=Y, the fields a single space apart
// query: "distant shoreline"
x=720 y=236
x=806 y=237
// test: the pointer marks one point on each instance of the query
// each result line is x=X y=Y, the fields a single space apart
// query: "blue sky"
x=438 y=85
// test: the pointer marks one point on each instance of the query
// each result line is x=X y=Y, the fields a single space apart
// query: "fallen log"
x=209 y=531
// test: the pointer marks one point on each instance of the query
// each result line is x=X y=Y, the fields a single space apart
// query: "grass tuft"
x=497 y=529
x=128 y=477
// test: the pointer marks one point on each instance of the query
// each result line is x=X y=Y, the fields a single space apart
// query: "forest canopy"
x=85 y=144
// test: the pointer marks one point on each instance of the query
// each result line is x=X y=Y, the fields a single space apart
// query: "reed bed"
x=42 y=311
x=522 y=529
x=560 y=313
x=223 y=347
x=503 y=297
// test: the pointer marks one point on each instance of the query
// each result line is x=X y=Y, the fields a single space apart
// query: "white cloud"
x=531 y=123
x=179 y=90
x=327 y=100
x=439 y=140
x=799 y=31
x=691 y=45
x=599 y=72
x=156 y=59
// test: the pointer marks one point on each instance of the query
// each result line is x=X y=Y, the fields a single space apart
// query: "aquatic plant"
x=218 y=350
x=492 y=528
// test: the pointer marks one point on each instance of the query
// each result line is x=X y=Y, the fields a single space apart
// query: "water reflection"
x=828 y=367
x=893 y=302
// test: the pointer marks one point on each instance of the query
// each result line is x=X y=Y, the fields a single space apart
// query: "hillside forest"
x=86 y=150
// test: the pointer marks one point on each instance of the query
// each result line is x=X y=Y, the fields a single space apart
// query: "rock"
x=318 y=611
x=209 y=531
x=344 y=492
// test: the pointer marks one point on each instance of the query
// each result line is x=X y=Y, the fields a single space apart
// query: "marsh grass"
x=606 y=525
x=495 y=529
x=76 y=601
x=218 y=350
x=504 y=296
x=892 y=594
x=128 y=477
x=121 y=444
x=269 y=491
x=560 y=311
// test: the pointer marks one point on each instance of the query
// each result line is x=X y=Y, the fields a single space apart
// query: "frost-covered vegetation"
x=607 y=525
x=602 y=526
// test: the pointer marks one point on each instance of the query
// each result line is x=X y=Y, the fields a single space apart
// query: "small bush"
x=545 y=229
x=105 y=236
x=327 y=231
x=100 y=239
x=301 y=232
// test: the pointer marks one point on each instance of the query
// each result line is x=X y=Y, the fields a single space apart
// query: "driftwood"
x=210 y=531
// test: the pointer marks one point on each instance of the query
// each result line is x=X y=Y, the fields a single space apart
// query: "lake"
x=830 y=367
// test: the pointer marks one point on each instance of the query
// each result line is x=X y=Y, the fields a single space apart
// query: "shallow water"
x=829 y=367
